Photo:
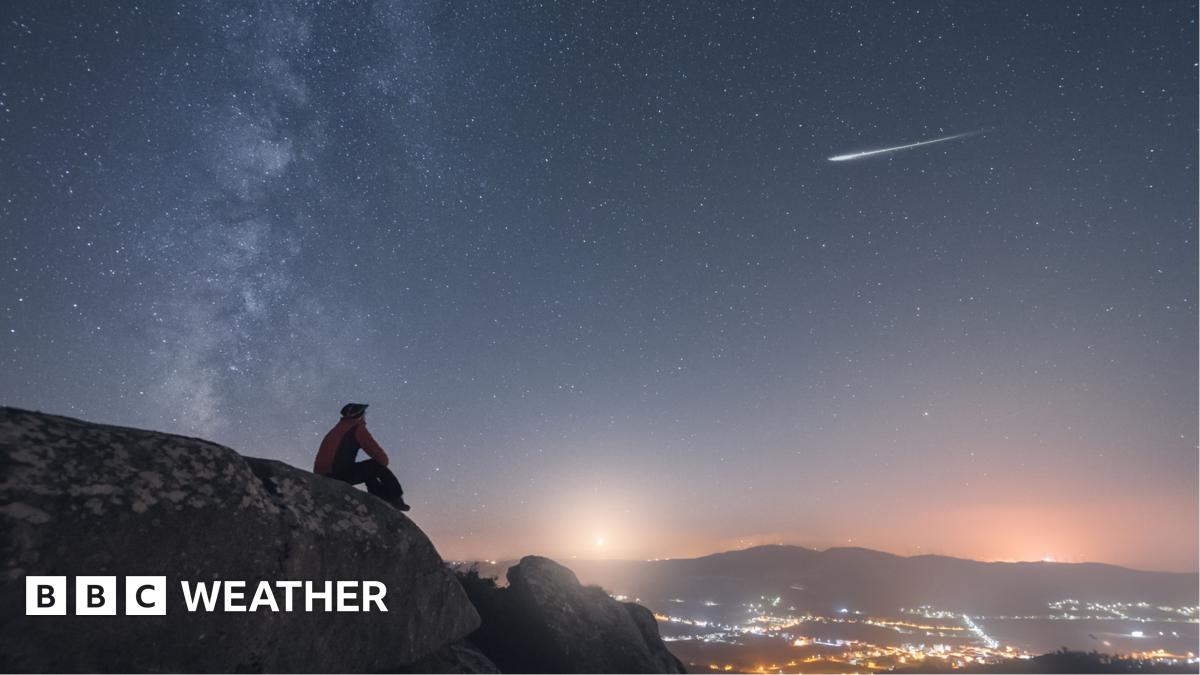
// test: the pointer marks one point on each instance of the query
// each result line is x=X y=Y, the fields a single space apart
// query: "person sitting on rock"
x=339 y=450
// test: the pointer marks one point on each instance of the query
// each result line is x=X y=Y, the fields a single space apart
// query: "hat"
x=354 y=409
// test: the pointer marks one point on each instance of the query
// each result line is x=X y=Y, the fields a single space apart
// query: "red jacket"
x=343 y=441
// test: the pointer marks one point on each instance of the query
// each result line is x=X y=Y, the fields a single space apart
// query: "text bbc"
x=147 y=596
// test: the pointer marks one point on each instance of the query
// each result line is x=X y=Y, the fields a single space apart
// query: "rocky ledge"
x=87 y=499
x=545 y=621
x=81 y=499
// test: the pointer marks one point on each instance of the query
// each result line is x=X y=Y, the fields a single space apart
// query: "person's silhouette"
x=339 y=450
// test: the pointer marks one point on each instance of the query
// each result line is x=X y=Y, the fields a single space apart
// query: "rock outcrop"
x=458 y=657
x=86 y=499
x=545 y=621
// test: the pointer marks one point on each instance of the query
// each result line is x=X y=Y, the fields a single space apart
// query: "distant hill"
x=867 y=580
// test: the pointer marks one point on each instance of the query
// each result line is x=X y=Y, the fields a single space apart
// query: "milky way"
x=593 y=272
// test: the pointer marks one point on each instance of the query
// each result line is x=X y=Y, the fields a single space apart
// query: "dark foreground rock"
x=86 y=499
x=459 y=657
x=545 y=621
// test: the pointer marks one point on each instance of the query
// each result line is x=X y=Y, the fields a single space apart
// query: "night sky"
x=593 y=271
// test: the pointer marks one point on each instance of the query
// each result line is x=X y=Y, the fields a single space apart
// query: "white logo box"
x=95 y=595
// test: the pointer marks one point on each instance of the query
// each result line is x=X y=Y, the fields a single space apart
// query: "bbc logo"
x=95 y=596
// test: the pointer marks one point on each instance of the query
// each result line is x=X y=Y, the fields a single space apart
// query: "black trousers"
x=380 y=481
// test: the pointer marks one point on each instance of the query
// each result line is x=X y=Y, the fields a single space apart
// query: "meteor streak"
x=871 y=153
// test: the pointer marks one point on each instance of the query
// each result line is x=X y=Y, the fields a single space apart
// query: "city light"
x=955 y=639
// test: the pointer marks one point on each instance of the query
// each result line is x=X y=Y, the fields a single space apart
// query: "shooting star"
x=883 y=151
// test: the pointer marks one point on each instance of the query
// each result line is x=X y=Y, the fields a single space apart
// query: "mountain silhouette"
x=874 y=581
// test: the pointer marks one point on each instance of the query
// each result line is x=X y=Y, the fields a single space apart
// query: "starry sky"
x=592 y=269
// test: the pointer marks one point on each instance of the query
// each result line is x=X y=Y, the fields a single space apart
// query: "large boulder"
x=545 y=621
x=457 y=657
x=86 y=499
